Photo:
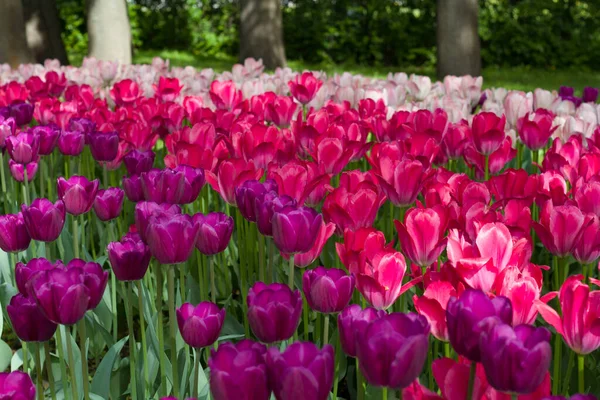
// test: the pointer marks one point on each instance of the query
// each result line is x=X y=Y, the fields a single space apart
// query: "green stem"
x=305 y=317
x=487 y=168
x=25 y=357
x=132 y=347
x=82 y=229
x=200 y=259
x=567 y=379
x=270 y=277
x=213 y=288
x=338 y=356
x=580 y=373
x=291 y=271
x=42 y=176
x=360 y=383
x=26 y=185
x=446 y=349
x=472 y=371
x=75 y=237
x=161 y=339
x=173 y=326
x=557 y=369
x=3 y=182
x=261 y=258
x=38 y=373
x=113 y=290
x=326 y=330
x=143 y=332
x=84 y=360
x=62 y=363
x=196 y=373
x=514 y=396
x=72 y=367
x=49 y=370
x=384 y=393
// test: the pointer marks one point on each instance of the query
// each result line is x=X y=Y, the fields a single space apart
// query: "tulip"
x=516 y=359
x=215 y=232
x=422 y=234
x=125 y=92
x=354 y=243
x=304 y=87
x=351 y=322
x=28 y=322
x=456 y=139
x=23 y=148
x=238 y=371
x=523 y=289
x=104 y=146
x=535 y=129
x=251 y=193
x=580 y=312
x=200 y=326
x=171 y=237
x=78 y=193
x=163 y=186
x=471 y=314
x=61 y=294
x=300 y=180
x=83 y=125
x=129 y=258
x=590 y=94
x=327 y=290
x=44 y=220
x=167 y=89
x=13 y=233
x=24 y=273
x=144 y=210
x=16 y=385
x=225 y=95
x=269 y=205
x=302 y=371
x=433 y=304
x=193 y=181
x=18 y=170
x=7 y=129
x=402 y=180
x=379 y=278
x=48 y=135
x=108 y=203
x=273 y=311
x=71 y=143
x=231 y=174
x=488 y=132
x=307 y=258
x=132 y=186
x=295 y=229
x=138 y=161
x=281 y=111
x=95 y=279
x=22 y=113
x=559 y=228
x=393 y=349
x=453 y=379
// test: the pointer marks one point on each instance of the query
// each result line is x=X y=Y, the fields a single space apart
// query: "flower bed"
x=295 y=234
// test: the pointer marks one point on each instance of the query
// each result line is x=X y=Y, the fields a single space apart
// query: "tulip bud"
x=129 y=258
x=27 y=320
x=78 y=193
x=13 y=233
x=265 y=209
x=22 y=113
x=327 y=290
x=108 y=203
x=251 y=193
x=104 y=146
x=488 y=132
x=70 y=143
x=193 y=181
x=132 y=186
x=44 y=220
x=18 y=170
x=215 y=232
x=200 y=326
x=171 y=237
x=295 y=230
x=138 y=161
x=304 y=87
x=16 y=385
x=146 y=209
x=353 y=320
x=23 y=148
x=24 y=273
x=48 y=138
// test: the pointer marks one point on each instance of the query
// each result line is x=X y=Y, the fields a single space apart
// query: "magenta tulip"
x=13 y=233
x=108 y=203
x=327 y=290
x=200 y=326
x=78 y=193
x=43 y=219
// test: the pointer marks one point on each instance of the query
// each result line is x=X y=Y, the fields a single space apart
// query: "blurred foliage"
x=538 y=33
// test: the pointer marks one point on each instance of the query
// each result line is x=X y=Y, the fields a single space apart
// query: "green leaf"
x=5 y=267
x=16 y=360
x=6 y=355
x=101 y=381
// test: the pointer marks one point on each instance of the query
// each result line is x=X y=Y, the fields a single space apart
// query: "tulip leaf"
x=101 y=381
x=16 y=360
x=5 y=355
x=5 y=267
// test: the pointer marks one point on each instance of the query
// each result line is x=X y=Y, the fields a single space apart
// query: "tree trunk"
x=261 y=33
x=109 y=31
x=42 y=25
x=458 y=46
x=13 y=42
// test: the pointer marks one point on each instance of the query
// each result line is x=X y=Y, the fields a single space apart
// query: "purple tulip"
x=83 y=125
x=27 y=320
x=108 y=203
x=78 y=193
x=95 y=279
x=200 y=326
x=22 y=113
x=146 y=209
x=7 y=129
x=273 y=311
x=132 y=186
x=24 y=273
x=104 y=146
x=163 y=186
x=327 y=290
x=129 y=258
x=566 y=91
x=516 y=360
x=302 y=371
x=250 y=193
x=70 y=143
x=171 y=237
x=215 y=232
x=295 y=230
x=23 y=148
x=590 y=94
x=48 y=135
x=137 y=161
x=471 y=314
x=16 y=385
x=238 y=371
x=18 y=170
x=43 y=219
x=265 y=209
x=194 y=180
x=13 y=233
x=351 y=322
x=393 y=349
x=61 y=294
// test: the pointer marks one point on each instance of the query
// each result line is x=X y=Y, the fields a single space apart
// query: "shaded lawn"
x=521 y=78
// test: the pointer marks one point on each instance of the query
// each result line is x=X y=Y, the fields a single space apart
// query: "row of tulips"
x=369 y=248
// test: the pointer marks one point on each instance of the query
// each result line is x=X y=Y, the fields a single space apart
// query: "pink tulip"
x=523 y=291
x=402 y=180
x=559 y=228
x=225 y=95
x=488 y=132
x=231 y=174
x=305 y=259
x=432 y=305
x=580 y=321
x=354 y=243
x=516 y=105
x=535 y=129
x=304 y=87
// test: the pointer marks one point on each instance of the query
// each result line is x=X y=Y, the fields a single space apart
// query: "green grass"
x=521 y=78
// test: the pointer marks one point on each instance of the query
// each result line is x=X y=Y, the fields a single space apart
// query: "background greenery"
x=525 y=43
